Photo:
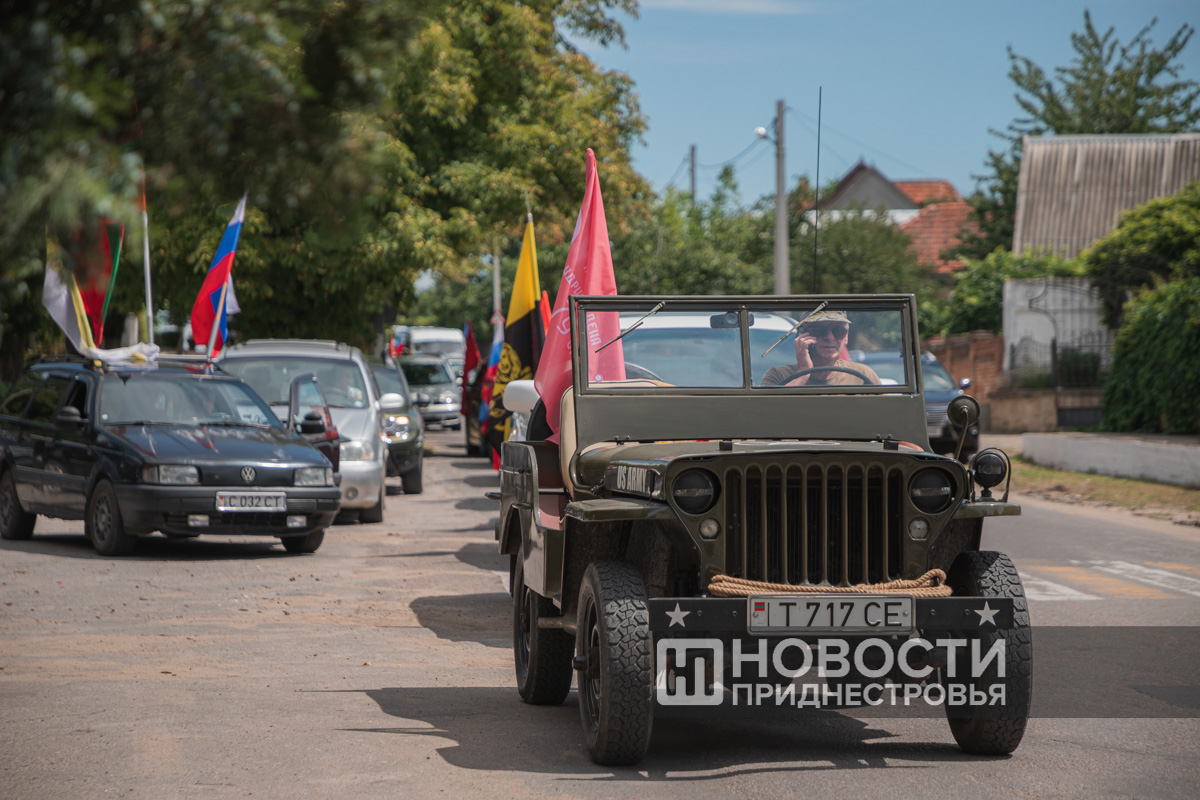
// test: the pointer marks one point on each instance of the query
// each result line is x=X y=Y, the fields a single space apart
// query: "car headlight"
x=313 y=476
x=357 y=450
x=931 y=490
x=448 y=398
x=695 y=491
x=396 y=423
x=171 y=474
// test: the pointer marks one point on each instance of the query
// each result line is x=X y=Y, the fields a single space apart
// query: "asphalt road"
x=381 y=666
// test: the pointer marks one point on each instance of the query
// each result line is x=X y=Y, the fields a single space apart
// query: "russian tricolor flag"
x=208 y=302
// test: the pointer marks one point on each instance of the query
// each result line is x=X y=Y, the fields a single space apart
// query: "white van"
x=433 y=341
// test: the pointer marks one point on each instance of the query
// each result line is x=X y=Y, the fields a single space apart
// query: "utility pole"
x=692 y=171
x=782 y=281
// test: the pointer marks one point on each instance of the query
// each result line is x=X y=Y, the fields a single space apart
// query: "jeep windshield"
x=696 y=344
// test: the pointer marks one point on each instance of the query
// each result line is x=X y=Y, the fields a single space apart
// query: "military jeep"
x=712 y=490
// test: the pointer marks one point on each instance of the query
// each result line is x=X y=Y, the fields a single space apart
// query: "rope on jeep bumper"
x=931 y=584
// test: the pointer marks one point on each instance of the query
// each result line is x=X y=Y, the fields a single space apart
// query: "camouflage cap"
x=828 y=316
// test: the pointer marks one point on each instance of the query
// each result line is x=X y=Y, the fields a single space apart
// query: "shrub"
x=1154 y=384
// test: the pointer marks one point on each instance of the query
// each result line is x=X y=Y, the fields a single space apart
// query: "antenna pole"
x=783 y=284
x=817 y=195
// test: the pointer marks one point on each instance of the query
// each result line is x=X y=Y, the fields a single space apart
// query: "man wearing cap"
x=819 y=344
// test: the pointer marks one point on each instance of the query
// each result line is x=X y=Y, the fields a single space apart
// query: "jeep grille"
x=832 y=524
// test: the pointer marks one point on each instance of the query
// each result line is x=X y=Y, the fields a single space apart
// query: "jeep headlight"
x=313 y=476
x=931 y=490
x=171 y=474
x=695 y=491
x=989 y=469
x=357 y=450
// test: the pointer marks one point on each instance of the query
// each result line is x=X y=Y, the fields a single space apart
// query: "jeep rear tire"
x=542 y=655
x=616 y=685
x=993 y=730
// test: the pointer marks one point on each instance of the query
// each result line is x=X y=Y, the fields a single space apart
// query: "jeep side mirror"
x=520 y=396
x=963 y=411
x=312 y=423
x=68 y=417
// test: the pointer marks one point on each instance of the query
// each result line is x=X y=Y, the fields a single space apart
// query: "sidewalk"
x=1154 y=457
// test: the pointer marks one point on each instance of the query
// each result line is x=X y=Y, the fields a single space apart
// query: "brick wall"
x=978 y=356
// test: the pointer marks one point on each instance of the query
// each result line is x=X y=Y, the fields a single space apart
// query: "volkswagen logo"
x=248 y=474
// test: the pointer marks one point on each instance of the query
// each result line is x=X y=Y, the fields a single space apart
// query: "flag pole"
x=146 y=266
x=212 y=336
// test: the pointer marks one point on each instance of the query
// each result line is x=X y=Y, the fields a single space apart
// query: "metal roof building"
x=1072 y=189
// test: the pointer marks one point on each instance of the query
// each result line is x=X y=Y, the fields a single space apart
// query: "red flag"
x=589 y=270
x=470 y=361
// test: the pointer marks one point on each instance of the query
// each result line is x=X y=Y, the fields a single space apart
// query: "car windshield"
x=340 y=380
x=435 y=348
x=703 y=348
x=161 y=399
x=426 y=373
x=937 y=379
x=389 y=381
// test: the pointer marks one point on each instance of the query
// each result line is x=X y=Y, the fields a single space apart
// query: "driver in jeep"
x=819 y=344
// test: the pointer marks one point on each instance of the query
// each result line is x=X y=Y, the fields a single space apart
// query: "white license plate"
x=859 y=613
x=251 y=501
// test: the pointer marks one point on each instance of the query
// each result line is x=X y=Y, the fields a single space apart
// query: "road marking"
x=1151 y=576
x=1043 y=590
x=1106 y=585
x=1175 y=566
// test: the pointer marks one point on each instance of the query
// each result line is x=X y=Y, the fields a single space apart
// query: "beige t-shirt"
x=776 y=376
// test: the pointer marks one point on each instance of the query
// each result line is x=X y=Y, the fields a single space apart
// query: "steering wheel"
x=831 y=368
x=638 y=372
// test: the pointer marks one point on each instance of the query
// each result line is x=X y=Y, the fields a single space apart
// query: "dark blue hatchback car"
x=168 y=447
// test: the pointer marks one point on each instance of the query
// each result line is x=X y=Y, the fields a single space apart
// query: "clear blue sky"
x=911 y=87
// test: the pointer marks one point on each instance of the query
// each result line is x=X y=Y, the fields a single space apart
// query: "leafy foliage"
x=858 y=251
x=977 y=300
x=1155 y=242
x=1108 y=88
x=1154 y=384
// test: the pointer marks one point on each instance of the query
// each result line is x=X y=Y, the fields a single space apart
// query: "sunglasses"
x=821 y=331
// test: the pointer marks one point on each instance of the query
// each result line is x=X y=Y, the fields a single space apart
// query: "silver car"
x=355 y=400
x=430 y=376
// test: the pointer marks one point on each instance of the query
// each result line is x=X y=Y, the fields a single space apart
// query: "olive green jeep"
x=730 y=497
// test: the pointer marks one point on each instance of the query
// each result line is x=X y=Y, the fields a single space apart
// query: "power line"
x=727 y=161
x=682 y=164
x=861 y=143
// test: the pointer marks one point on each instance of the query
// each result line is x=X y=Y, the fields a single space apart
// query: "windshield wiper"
x=634 y=326
x=797 y=325
x=231 y=423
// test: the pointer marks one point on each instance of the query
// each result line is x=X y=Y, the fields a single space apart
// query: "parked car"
x=169 y=447
x=357 y=404
x=403 y=429
x=430 y=376
x=940 y=388
x=699 y=529
x=429 y=340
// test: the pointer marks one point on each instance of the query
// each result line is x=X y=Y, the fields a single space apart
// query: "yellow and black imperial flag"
x=524 y=335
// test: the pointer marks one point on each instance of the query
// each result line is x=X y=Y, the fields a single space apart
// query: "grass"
x=1153 y=499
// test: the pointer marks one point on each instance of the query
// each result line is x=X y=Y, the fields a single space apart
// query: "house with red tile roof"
x=931 y=212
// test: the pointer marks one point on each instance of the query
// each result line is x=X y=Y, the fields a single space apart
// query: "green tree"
x=858 y=251
x=1154 y=383
x=1154 y=243
x=1108 y=88
x=977 y=300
